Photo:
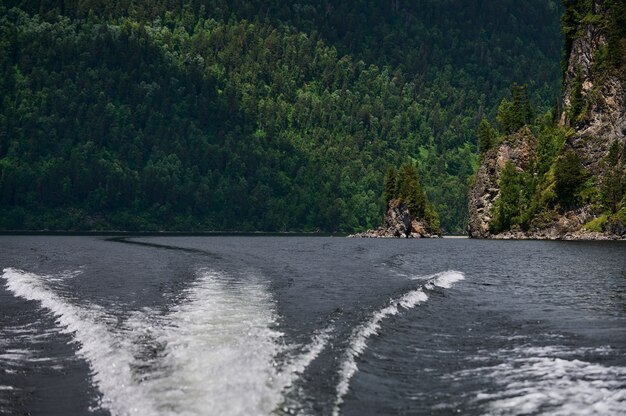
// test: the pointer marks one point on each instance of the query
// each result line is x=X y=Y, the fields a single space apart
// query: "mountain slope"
x=181 y=115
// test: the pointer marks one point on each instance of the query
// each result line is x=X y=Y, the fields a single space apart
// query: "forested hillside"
x=252 y=115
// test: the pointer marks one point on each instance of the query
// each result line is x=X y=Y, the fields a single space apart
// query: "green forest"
x=246 y=115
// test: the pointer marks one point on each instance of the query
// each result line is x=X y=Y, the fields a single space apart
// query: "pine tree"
x=390 y=184
x=507 y=206
x=516 y=113
x=504 y=117
x=526 y=106
x=486 y=136
x=410 y=190
x=613 y=186
x=569 y=175
x=616 y=28
x=577 y=100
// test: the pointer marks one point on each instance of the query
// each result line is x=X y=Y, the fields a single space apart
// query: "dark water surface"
x=311 y=325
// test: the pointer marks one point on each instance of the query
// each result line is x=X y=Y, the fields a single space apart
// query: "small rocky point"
x=399 y=223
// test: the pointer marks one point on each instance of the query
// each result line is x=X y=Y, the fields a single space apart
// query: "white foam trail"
x=443 y=280
x=219 y=352
x=447 y=279
x=535 y=381
x=358 y=341
x=110 y=363
x=300 y=362
x=217 y=349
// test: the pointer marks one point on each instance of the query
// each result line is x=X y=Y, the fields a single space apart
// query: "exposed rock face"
x=520 y=151
x=398 y=223
x=605 y=117
x=603 y=120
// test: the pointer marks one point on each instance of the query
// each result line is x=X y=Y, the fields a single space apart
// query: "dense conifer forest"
x=250 y=115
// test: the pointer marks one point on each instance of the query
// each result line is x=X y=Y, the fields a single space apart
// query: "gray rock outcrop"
x=519 y=150
x=399 y=223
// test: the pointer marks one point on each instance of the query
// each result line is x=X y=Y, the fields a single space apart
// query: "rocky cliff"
x=603 y=117
x=518 y=149
x=594 y=125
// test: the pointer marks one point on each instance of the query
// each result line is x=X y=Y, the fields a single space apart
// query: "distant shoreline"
x=169 y=233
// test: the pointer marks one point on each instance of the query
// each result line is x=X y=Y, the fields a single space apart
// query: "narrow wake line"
x=196 y=359
x=358 y=340
x=298 y=363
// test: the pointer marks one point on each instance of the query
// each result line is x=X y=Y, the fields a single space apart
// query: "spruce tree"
x=526 y=106
x=390 y=184
x=486 y=136
x=577 y=100
x=569 y=175
x=507 y=206
x=410 y=190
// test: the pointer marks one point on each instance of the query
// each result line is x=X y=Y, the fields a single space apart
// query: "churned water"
x=311 y=325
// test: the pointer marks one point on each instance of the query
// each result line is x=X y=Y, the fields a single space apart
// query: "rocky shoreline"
x=399 y=224
x=386 y=233
x=546 y=235
x=568 y=226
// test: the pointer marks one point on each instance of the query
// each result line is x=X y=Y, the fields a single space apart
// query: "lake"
x=310 y=325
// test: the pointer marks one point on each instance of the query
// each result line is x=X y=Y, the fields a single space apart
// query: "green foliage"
x=404 y=186
x=578 y=102
x=432 y=218
x=515 y=113
x=617 y=221
x=616 y=29
x=573 y=15
x=550 y=141
x=250 y=115
x=597 y=224
x=410 y=190
x=390 y=184
x=613 y=187
x=612 y=158
x=569 y=176
x=556 y=180
x=580 y=13
x=508 y=206
x=486 y=136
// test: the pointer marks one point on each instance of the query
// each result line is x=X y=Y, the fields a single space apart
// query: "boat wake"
x=214 y=352
x=358 y=340
x=551 y=380
x=218 y=350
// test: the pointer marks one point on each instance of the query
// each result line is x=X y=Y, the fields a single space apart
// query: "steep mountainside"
x=252 y=115
x=567 y=179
